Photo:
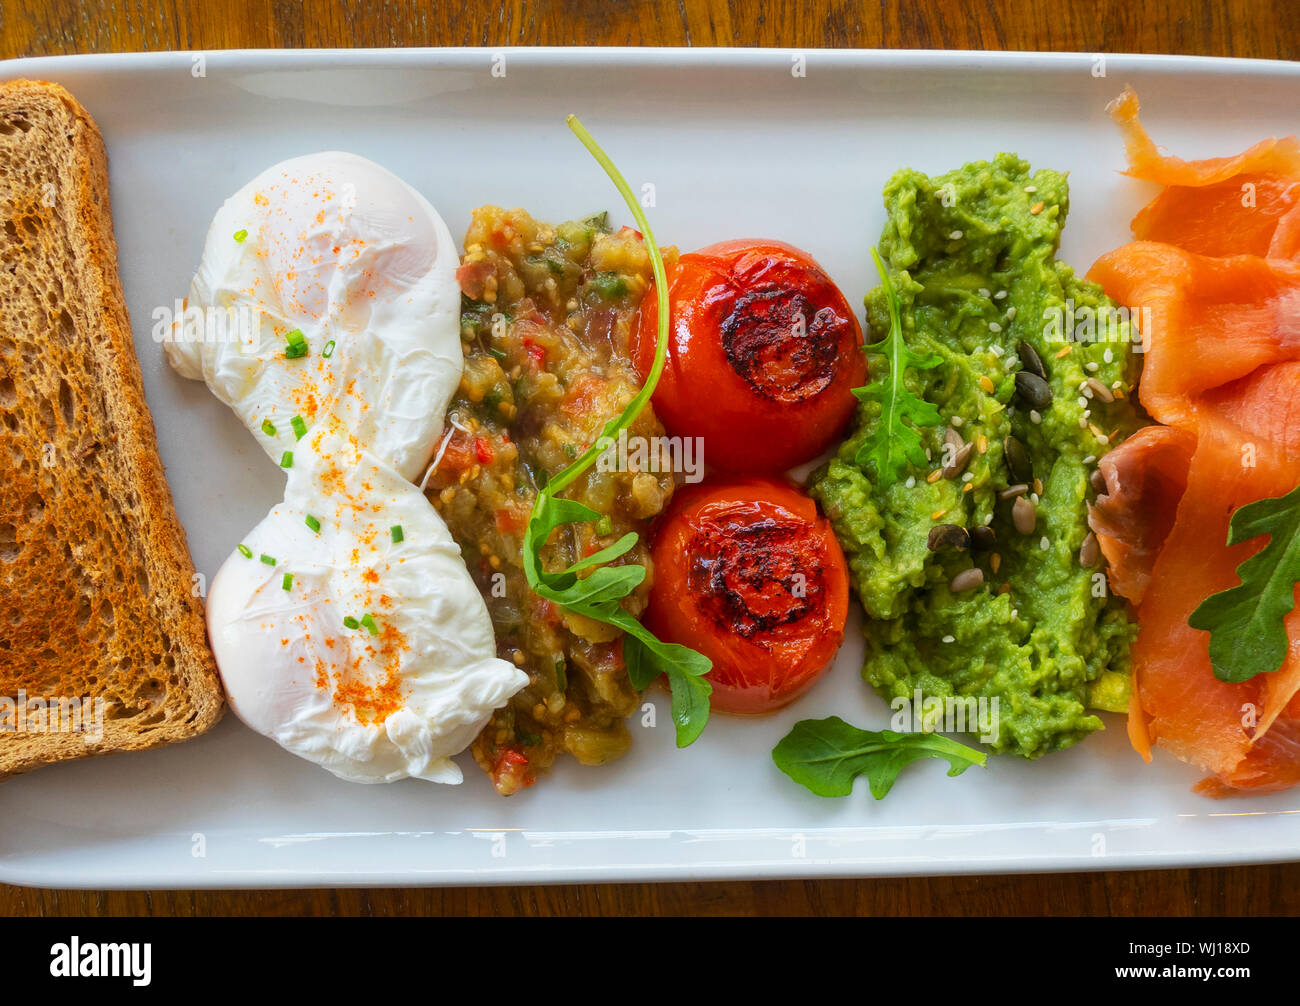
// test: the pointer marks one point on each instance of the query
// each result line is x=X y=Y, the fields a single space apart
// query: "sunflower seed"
x=1089 y=551
x=1100 y=390
x=1023 y=515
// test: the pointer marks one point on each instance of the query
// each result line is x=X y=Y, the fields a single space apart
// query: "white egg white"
x=339 y=249
x=398 y=694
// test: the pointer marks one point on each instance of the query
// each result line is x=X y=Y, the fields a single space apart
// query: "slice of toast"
x=97 y=588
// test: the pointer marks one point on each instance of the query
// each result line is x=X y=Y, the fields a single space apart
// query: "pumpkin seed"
x=1030 y=359
x=947 y=535
x=1033 y=389
x=1017 y=458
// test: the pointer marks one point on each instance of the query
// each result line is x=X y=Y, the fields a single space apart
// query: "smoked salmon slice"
x=1217 y=263
x=1213 y=320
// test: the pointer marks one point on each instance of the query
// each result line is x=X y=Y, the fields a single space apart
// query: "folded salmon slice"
x=1217 y=266
x=1212 y=320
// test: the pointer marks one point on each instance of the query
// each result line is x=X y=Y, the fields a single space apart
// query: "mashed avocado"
x=973 y=254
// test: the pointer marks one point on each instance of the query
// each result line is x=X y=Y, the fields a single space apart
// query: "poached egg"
x=347 y=628
x=334 y=283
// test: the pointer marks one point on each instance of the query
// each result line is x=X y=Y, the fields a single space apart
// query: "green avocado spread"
x=1035 y=632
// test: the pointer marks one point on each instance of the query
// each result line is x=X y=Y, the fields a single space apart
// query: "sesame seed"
x=1000 y=295
x=1116 y=386
x=1043 y=543
x=1090 y=459
x=910 y=483
x=967 y=476
x=1011 y=364
x=937 y=514
x=1031 y=189
x=984 y=293
x=1087 y=413
x=1035 y=416
x=1083 y=402
x=1102 y=438
x=1092 y=366
x=1083 y=422
x=1108 y=356
x=955 y=235
x=1064 y=351
x=994 y=327
x=1037 y=208
x=1015 y=612
x=955 y=421
x=1034 y=497
x=950 y=639
x=934 y=476
x=1011 y=312
x=995 y=349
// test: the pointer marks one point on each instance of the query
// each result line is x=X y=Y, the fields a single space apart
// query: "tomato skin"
x=750 y=574
x=763 y=397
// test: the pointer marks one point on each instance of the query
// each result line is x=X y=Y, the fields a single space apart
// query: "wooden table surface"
x=1257 y=28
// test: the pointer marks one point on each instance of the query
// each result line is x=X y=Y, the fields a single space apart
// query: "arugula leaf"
x=826 y=756
x=1247 y=634
x=892 y=441
x=598 y=595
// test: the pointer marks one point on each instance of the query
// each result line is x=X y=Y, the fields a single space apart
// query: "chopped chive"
x=268 y=427
x=368 y=620
x=286 y=460
x=297 y=344
x=299 y=427
x=397 y=533
x=287 y=582
x=500 y=354
x=313 y=523
x=240 y=235
x=351 y=622
x=268 y=559
x=605 y=525
x=245 y=551
x=328 y=351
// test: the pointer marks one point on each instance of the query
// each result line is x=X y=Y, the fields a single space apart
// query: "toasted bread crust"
x=97 y=595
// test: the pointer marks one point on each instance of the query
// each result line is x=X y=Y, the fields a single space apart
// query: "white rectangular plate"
x=737 y=145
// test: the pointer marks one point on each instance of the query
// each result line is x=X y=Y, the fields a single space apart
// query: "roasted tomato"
x=748 y=573
x=763 y=350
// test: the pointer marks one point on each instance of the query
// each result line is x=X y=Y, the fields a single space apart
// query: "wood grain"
x=1252 y=28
